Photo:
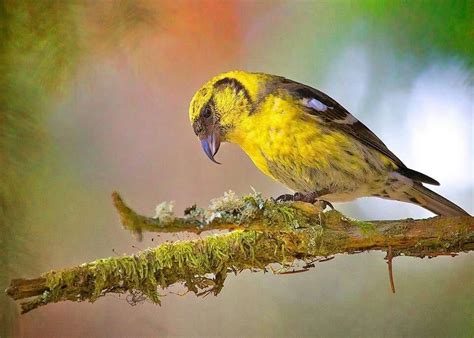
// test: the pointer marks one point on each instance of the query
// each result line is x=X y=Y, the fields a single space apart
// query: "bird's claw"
x=324 y=204
x=311 y=197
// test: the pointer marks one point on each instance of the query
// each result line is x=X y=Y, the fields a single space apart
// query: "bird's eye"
x=207 y=112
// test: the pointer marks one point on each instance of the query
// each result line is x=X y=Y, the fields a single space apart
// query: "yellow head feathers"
x=225 y=89
x=218 y=106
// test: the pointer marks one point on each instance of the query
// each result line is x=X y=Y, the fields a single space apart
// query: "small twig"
x=293 y=271
x=390 y=270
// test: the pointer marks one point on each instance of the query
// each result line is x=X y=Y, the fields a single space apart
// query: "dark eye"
x=207 y=112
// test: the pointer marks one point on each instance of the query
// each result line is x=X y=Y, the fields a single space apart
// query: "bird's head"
x=218 y=108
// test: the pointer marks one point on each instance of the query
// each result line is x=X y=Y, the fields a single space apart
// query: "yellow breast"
x=279 y=131
x=298 y=150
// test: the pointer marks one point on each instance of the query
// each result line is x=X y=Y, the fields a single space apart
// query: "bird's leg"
x=311 y=197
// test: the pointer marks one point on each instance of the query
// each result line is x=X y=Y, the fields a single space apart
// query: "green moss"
x=275 y=233
x=335 y=217
x=396 y=229
x=366 y=228
x=289 y=228
x=232 y=209
x=160 y=267
x=251 y=211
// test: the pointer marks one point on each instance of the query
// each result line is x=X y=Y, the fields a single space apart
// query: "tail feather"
x=428 y=199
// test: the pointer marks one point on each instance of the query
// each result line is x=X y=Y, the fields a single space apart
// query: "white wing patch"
x=315 y=104
x=321 y=107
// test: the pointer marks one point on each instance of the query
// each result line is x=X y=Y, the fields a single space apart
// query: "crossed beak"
x=210 y=143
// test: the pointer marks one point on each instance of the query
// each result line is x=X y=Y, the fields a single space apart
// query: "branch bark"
x=264 y=232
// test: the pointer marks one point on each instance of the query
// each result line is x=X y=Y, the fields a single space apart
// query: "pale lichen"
x=164 y=212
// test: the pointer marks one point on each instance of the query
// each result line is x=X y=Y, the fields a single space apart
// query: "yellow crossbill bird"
x=304 y=139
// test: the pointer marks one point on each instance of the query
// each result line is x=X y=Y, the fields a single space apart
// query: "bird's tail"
x=428 y=199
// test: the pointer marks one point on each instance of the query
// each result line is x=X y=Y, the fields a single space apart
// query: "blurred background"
x=94 y=98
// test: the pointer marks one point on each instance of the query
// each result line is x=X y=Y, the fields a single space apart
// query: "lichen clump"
x=164 y=212
x=244 y=210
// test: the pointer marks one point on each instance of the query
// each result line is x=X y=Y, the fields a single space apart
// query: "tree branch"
x=265 y=232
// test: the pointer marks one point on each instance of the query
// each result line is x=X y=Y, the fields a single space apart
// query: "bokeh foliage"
x=425 y=28
x=39 y=52
x=43 y=43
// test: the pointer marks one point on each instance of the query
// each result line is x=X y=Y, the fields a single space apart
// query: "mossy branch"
x=264 y=232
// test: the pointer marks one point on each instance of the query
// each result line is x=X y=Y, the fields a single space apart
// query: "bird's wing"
x=318 y=104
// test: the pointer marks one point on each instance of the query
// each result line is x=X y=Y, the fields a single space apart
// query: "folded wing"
x=318 y=104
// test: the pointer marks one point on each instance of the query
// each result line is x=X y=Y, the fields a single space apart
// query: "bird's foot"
x=311 y=197
x=324 y=204
x=298 y=196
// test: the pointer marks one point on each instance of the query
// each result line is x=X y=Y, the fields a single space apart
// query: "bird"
x=304 y=139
